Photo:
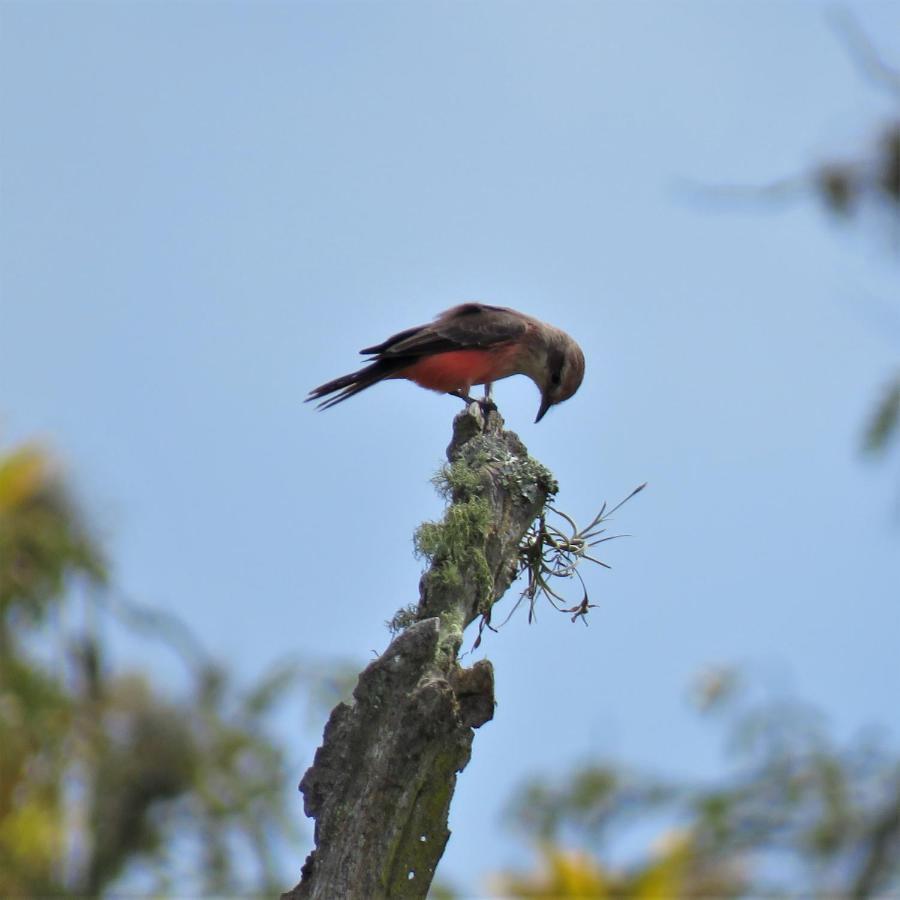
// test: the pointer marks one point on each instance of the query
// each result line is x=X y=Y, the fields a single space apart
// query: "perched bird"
x=469 y=344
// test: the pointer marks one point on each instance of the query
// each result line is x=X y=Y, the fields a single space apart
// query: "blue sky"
x=207 y=208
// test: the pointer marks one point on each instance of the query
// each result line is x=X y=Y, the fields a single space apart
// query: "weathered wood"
x=381 y=783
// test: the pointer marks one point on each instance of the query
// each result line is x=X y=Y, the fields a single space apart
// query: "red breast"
x=459 y=369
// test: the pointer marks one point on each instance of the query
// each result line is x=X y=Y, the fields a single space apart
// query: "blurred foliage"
x=861 y=186
x=671 y=872
x=845 y=187
x=42 y=541
x=102 y=776
x=883 y=427
x=870 y=182
x=848 y=187
x=798 y=816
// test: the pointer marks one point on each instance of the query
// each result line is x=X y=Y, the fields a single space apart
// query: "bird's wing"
x=465 y=327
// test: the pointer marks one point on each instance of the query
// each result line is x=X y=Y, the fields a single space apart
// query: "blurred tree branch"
x=863 y=53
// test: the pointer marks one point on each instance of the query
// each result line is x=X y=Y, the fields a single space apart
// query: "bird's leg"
x=464 y=397
x=487 y=404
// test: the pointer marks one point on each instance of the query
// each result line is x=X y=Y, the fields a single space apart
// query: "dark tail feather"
x=393 y=339
x=348 y=385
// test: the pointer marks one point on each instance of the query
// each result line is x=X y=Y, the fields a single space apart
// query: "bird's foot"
x=485 y=405
x=464 y=397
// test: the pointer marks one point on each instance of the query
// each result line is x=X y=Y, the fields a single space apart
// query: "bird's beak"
x=545 y=405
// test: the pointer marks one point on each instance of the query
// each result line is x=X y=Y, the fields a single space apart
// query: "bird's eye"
x=556 y=378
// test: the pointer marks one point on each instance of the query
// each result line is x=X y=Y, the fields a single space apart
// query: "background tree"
x=105 y=778
x=799 y=814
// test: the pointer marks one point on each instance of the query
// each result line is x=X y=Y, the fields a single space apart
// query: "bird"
x=469 y=344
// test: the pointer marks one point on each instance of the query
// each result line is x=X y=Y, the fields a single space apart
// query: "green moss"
x=463 y=524
x=518 y=472
x=447 y=575
x=459 y=480
x=403 y=618
x=455 y=546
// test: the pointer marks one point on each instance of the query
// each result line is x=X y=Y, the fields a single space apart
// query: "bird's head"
x=560 y=371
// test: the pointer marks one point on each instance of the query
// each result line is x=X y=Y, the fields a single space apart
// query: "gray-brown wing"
x=468 y=326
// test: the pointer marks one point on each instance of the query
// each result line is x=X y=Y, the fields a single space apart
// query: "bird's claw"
x=485 y=405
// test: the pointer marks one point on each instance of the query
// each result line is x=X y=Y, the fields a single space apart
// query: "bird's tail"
x=347 y=385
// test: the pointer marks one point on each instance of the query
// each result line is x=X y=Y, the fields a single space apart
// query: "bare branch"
x=382 y=781
x=863 y=53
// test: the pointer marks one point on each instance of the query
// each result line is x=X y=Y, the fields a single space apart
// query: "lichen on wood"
x=381 y=783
